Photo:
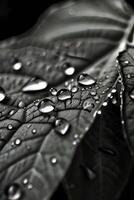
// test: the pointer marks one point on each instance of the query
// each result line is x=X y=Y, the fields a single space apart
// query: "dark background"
x=17 y=16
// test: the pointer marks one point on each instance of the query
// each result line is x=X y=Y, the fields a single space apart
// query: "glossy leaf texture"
x=35 y=147
x=41 y=129
x=126 y=67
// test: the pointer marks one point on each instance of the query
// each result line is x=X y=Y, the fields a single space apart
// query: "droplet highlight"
x=2 y=94
x=86 y=80
x=64 y=94
x=46 y=106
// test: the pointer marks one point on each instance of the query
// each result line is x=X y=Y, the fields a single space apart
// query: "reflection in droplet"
x=13 y=192
x=2 y=94
x=99 y=112
x=34 y=86
x=64 y=94
x=25 y=181
x=46 y=106
x=62 y=126
x=86 y=80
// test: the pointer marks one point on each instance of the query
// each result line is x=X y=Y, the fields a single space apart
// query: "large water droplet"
x=46 y=106
x=2 y=94
x=62 y=126
x=132 y=95
x=36 y=85
x=13 y=192
x=86 y=80
x=64 y=94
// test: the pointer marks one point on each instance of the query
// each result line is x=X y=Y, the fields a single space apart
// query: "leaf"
x=126 y=63
x=98 y=170
x=44 y=157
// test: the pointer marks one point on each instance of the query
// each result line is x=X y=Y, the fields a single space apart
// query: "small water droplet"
x=53 y=91
x=93 y=92
x=132 y=95
x=17 y=142
x=114 y=101
x=34 y=131
x=2 y=94
x=21 y=104
x=12 y=112
x=105 y=103
x=64 y=94
x=17 y=66
x=30 y=186
x=69 y=71
x=76 y=136
x=36 y=85
x=25 y=181
x=86 y=80
x=74 y=89
x=99 y=112
x=88 y=105
x=126 y=62
x=53 y=160
x=129 y=76
x=10 y=126
x=46 y=106
x=13 y=192
x=62 y=126
x=113 y=90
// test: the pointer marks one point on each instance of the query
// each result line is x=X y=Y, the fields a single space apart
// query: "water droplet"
x=88 y=105
x=13 y=192
x=99 y=112
x=25 y=181
x=36 y=85
x=53 y=160
x=62 y=126
x=76 y=136
x=53 y=91
x=74 y=89
x=17 y=66
x=12 y=112
x=69 y=71
x=30 y=186
x=132 y=95
x=126 y=62
x=46 y=106
x=113 y=90
x=34 y=131
x=93 y=92
x=129 y=76
x=17 y=142
x=21 y=104
x=114 y=101
x=2 y=94
x=10 y=126
x=86 y=80
x=105 y=103
x=64 y=94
